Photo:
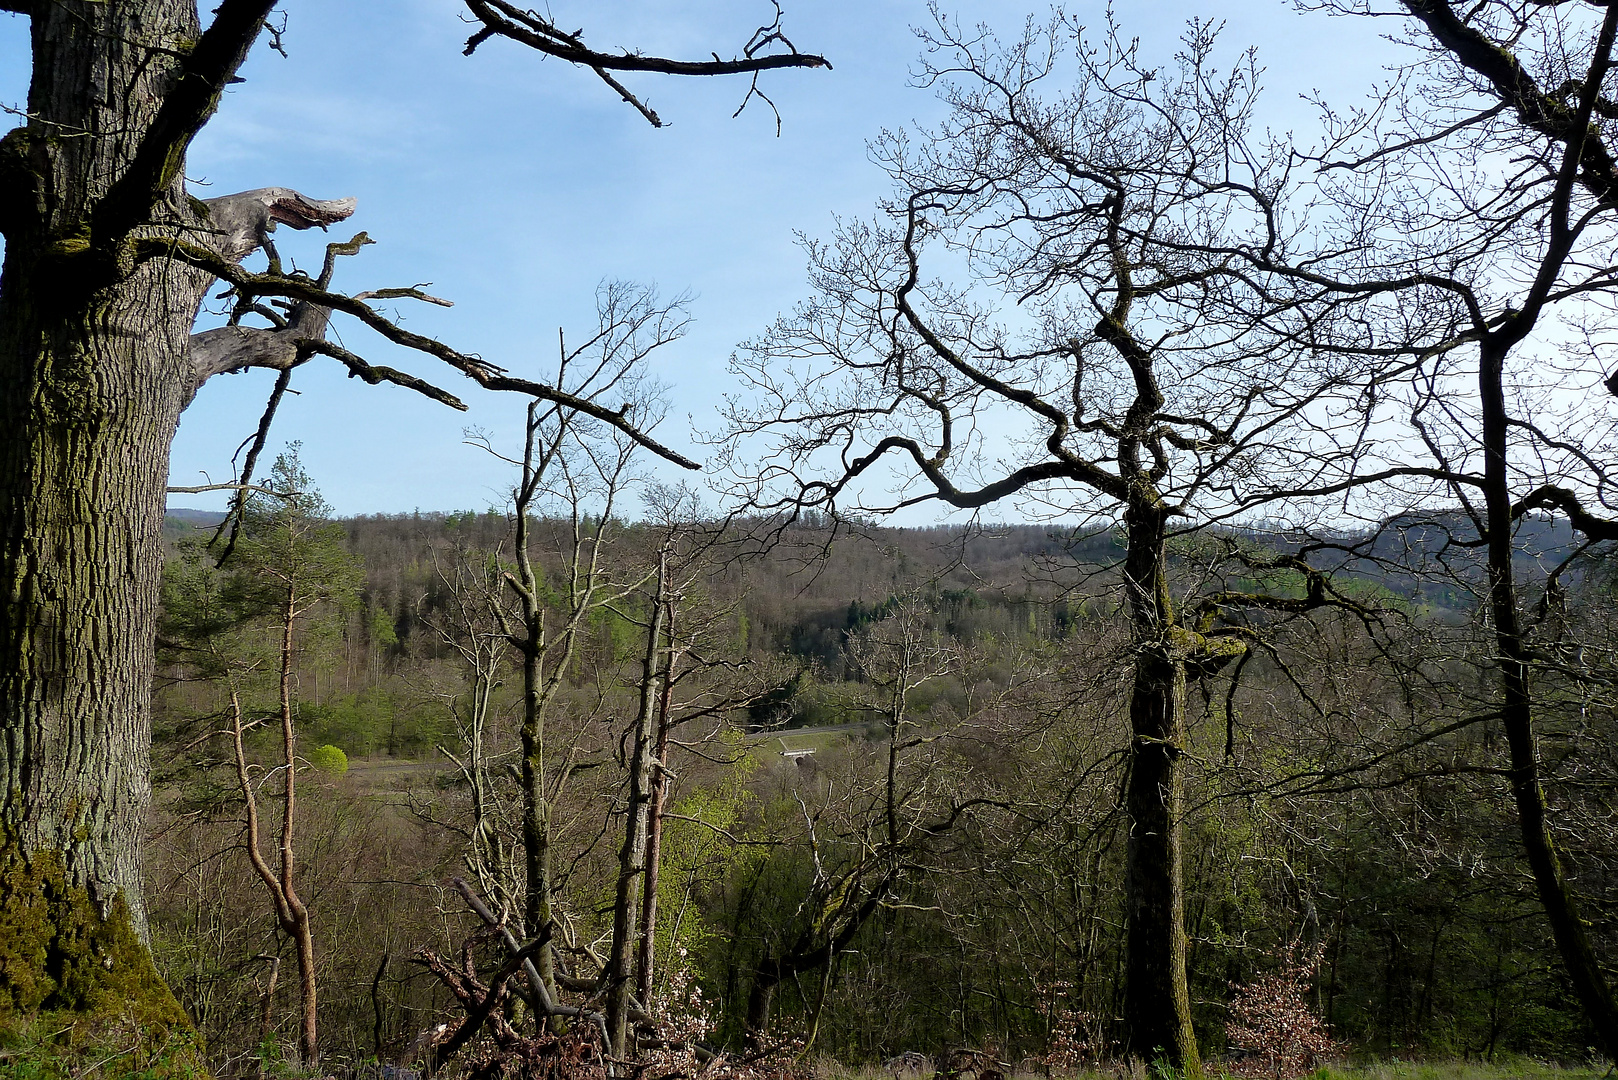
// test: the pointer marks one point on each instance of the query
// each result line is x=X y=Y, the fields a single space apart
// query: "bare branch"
x=186 y=107
x=498 y=18
x=485 y=374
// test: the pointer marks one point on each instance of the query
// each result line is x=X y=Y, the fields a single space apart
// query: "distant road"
x=787 y=733
x=381 y=769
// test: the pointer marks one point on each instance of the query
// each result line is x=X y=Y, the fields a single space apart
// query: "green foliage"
x=380 y=718
x=328 y=759
x=615 y=633
x=383 y=633
x=226 y=622
x=57 y=952
x=57 y=1046
x=292 y=555
x=1435 y=946
x=699 y=853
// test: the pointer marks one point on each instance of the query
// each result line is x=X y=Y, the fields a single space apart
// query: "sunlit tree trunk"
x=297 y=922
x=94 y=371
x=632 y=855
x=646 y=962
x=536 y=827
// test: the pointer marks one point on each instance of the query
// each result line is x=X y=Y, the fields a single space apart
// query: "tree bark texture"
x=1157 y=1001
x=95 y=368
x=92 y=376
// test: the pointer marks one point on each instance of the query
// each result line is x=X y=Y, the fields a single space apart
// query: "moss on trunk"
x=58 y=952
x=77 y=986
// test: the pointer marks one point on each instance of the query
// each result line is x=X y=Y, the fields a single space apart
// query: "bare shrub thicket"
x=1273 y=1022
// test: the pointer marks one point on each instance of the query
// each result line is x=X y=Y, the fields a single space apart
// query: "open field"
x=817 y=740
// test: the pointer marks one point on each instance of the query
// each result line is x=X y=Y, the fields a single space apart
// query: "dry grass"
x=1515 y=1069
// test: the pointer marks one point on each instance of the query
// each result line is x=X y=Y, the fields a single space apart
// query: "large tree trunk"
x=1157 y=1003
x=90 y=392
x=92 y=378
x=95 y=367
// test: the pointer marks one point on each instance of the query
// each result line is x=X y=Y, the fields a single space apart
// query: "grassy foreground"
x=65 y=1047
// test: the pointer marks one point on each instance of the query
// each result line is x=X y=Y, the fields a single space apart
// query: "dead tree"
x=678 y=653
x=579 y=469
x=630 y=894
x=470 y=628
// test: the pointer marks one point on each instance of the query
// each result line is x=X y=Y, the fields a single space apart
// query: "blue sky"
x=514 y=185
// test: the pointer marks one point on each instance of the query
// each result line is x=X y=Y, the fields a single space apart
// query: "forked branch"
x=498 y=18
x=307 y=291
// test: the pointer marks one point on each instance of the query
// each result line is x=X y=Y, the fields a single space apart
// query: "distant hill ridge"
x=1004 y=582
x=1428 y=531
x=194 y=518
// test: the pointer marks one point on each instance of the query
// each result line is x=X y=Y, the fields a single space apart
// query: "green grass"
x=58 y=1047
x=818 y=741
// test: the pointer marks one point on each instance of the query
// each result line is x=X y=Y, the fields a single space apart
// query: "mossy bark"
x=62 y=952
x=1157 y=1001
x=94 y=369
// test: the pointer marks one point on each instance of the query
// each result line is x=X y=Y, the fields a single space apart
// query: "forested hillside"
x=942 y=868
x=1275 y=735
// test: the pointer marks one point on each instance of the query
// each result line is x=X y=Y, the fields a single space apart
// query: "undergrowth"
x=58 y=1046
x=1509 y=1069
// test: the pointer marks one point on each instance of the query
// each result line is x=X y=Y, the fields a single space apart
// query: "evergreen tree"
x=283 y=594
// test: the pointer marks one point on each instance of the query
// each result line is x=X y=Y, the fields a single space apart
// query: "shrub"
x=1271 y=1020
x=329 y=759
x=1075 y=1037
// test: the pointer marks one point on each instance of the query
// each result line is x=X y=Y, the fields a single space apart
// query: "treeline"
x=927 y=876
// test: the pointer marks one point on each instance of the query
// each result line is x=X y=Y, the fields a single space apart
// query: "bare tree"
x=1109 y=349
x=470 y=628
x=1471 y=204
x=583 y=468
x=687 y=678
x=289 y=573
x=633 y=855
x=573 y=565
x=107 y=261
